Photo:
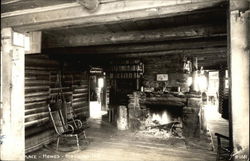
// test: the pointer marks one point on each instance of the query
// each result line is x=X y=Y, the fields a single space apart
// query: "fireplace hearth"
x=162 y=114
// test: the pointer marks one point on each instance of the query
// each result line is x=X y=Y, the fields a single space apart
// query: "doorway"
x=97 y=93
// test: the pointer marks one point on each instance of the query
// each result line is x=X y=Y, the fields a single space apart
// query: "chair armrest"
x=222 y=136
x=70 y=128
x=79 y=123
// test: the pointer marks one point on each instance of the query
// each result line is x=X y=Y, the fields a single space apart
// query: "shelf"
x=127 y=68
x=125 y=75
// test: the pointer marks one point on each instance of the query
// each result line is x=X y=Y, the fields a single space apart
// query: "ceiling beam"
x=209 y=58
x=4 y=2
x=206 y=52
x=186 y=32
x=113 y=12
x=140 y=47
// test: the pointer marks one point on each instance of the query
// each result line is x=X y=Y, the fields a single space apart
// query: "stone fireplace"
x=158 y=110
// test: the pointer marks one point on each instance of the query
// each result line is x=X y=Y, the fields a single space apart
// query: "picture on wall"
x=162 y=77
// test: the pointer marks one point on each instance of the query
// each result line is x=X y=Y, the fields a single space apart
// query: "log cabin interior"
x=149 y=80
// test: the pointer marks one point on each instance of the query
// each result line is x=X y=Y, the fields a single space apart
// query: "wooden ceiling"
x=211 y=21
x=198 y=30
x=210 y=47
x=14 y=5
x=211 y=16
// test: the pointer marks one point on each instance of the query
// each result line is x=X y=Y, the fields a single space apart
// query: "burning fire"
x=161 y=118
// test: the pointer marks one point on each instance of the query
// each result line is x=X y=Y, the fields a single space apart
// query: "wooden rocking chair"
x=78 y=124
x=64 y=129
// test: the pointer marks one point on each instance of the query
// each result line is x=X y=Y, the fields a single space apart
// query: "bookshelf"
x=125 y=76
x=126 y=70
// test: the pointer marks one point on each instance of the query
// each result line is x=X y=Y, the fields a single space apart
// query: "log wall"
x=171 y=65
x=161 y=65
x=168 y=64
x=40 y=85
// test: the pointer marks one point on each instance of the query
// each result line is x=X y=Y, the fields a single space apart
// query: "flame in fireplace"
x=161 y=118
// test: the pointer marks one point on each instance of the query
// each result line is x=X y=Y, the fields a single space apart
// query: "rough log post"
x=13 y=145
x=239 y=70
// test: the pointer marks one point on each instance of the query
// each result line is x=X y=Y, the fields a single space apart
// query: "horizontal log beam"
x=80 y=95
x=81 y=99
x=34 y=94
x=36 y=110
x=36 y=82
x=36 y=116
x=37 y=140
x=35 y=105
x=73 y=14
x=36 y=87
x=186 y=32
x=36 y=122
x=30 y=131
x=216 y=52
x=36 y=72
x=77 y=104
x=142 y=47
x=36 y=99
x=215 y=65
x=81 y=109
x=65 y=93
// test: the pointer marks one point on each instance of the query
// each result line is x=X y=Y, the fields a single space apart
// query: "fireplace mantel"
x=165 y=100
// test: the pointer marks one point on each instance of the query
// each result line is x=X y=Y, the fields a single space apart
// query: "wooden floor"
x=216 y=124
x=109 y=144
